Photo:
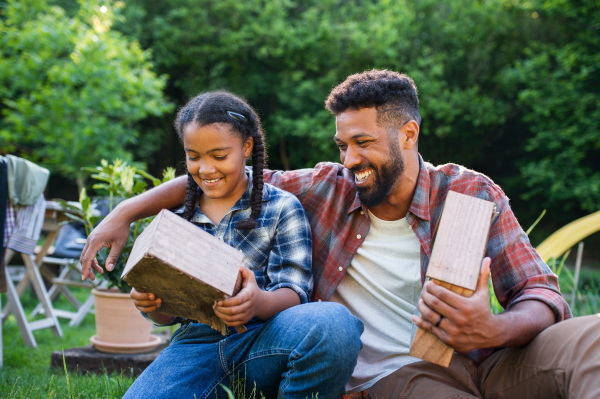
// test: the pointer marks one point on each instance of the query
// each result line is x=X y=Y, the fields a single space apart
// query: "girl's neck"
x=216 y=209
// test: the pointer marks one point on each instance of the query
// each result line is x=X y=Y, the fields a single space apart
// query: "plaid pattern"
x=22 y=227
x=340 y=223
x=9 y=222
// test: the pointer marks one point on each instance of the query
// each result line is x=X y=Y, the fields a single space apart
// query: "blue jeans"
x=303 y=351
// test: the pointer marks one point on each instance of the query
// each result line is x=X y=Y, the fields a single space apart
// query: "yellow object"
x=566 y=237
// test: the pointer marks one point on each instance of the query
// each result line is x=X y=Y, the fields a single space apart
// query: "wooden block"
x=186 y=267
x=460 y=240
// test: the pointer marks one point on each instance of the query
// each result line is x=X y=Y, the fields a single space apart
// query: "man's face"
x=371 y=152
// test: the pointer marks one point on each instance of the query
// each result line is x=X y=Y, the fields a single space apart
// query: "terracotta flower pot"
x=120 y=328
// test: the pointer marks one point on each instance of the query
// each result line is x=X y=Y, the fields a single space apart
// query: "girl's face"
x=216 y=159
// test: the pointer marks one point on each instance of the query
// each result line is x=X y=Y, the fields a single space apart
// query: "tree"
x=72 y=88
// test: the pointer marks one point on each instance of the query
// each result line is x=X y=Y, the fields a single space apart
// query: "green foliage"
x=72 y=88
x=557 y=87
x=508 y=88
x=120 y=181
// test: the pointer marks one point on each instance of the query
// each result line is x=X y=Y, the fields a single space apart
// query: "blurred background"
x=509 y=88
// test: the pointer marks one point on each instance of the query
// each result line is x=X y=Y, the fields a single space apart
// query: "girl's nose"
x=206 y=167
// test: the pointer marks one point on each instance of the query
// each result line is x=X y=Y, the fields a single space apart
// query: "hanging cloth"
x=26 y=180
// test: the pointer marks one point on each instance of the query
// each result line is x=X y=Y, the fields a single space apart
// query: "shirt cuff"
x=304 y=296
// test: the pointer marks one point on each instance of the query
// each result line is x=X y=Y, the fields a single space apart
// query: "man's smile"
x=363 y=175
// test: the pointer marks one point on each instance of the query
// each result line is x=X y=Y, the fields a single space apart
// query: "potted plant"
x=120 y=328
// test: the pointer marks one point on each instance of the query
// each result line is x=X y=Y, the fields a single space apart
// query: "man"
x=372 y=221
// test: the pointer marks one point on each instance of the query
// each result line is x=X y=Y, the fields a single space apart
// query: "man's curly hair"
x=393 y=94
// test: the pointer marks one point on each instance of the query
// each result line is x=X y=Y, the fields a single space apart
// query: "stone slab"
x=89 y=360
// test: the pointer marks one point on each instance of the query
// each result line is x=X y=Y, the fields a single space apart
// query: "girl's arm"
x=289 y=270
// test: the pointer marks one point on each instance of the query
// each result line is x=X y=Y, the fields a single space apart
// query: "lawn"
x=26 y=372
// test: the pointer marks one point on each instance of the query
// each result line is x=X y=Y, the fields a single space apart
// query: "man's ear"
x=248 y=146
x=411 y=134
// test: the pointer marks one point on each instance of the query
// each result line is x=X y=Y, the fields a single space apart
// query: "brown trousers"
x=563 y=361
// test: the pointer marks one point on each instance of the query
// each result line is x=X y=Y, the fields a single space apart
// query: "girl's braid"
x=258 y=164
x=191 y=198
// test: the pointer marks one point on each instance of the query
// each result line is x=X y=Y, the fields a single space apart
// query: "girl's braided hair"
x=223 y=107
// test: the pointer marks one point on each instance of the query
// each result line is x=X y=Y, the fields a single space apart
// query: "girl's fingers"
x=229 y=311
x=157 y=303
x=147 y=309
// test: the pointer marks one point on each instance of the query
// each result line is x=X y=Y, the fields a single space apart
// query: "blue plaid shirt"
x=278 y=250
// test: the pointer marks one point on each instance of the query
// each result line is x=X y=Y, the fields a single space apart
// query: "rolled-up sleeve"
x=518 y=272
x=290 y=259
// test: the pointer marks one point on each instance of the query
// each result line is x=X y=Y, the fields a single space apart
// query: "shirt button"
x=362 y=212
x=341 y=269
x=319 y=300
x=358 y=236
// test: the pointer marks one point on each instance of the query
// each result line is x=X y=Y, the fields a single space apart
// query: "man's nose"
x=351 y=158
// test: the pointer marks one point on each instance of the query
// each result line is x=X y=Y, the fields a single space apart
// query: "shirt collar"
x=420 y=202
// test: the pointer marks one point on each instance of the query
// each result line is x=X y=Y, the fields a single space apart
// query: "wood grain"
x=460 y=240
x=186 y=267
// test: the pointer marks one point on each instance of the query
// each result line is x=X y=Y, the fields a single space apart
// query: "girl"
x=219 y=131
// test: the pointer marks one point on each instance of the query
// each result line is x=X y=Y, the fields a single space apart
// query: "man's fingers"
x=113 y=256
x=484 y=275
x=437 y=304
x=96 y=266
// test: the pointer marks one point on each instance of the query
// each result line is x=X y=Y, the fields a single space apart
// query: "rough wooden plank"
x=186 y=267
x=460 y=240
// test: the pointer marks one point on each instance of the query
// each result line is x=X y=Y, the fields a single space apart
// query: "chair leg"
x=17 y=309
x=42 y=294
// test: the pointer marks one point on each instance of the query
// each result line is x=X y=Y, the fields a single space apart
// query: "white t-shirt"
x=382 y=287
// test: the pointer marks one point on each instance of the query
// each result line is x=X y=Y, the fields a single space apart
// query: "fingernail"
x=82 y=278
x=152 y=297
x=110 y=267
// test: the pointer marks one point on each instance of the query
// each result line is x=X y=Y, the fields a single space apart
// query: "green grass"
x=26 y=371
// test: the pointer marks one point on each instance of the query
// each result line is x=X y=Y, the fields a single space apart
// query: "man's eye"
x=342 y=147
x=362 y=143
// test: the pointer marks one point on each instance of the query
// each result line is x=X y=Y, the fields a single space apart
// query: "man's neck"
x=396 y=205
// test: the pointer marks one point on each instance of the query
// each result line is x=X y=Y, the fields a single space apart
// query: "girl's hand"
x=241 y=308
x=144 y=302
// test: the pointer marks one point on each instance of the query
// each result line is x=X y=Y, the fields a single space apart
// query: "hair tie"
x=238 y=117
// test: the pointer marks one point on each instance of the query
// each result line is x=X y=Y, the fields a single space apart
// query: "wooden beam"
x=460 y=240
x=188 y=268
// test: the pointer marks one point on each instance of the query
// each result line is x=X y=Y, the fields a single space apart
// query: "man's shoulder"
x=458 y=178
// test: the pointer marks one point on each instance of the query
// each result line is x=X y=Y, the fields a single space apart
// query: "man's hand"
x=468 y=323
x=241 y=308
x=113 y=233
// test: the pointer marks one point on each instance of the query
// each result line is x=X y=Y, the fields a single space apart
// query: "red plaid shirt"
x=340 y=223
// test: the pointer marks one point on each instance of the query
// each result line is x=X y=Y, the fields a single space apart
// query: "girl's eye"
x=192 y=159
x=221 y=158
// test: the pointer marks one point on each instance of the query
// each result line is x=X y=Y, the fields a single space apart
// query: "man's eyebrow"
x=354 y=136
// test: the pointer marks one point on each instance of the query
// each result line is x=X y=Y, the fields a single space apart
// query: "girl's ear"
x=248 y=146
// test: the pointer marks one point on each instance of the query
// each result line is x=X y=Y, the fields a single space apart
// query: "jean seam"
x=213 y=387
x=222 y=359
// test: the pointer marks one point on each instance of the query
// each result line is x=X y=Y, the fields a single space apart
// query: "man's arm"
x=468 y=323
x=113 y=231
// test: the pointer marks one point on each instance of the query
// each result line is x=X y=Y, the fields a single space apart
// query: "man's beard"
x=385 y=177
